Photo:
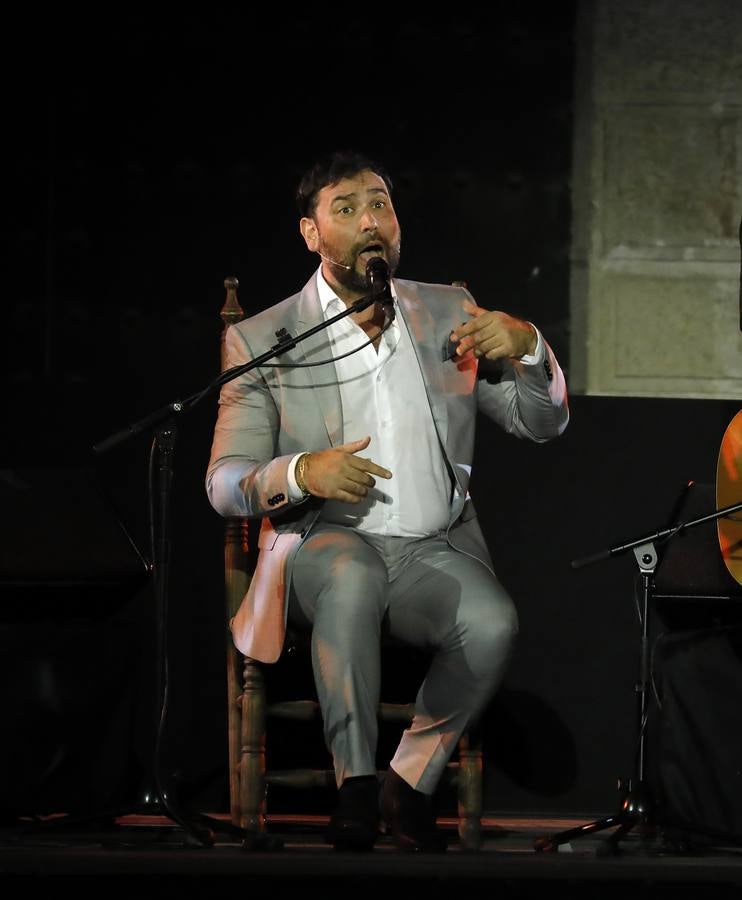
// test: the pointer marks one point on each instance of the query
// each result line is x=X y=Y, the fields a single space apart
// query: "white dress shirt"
x=383 y=395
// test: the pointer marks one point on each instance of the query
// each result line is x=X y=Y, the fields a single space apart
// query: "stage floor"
x=134 y=848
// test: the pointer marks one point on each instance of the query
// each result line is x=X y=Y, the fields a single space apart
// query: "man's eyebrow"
x=353 y=195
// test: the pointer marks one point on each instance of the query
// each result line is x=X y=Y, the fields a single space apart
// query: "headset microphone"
x=342 y=265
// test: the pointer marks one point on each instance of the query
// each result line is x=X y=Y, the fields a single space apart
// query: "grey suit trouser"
x=345 y=584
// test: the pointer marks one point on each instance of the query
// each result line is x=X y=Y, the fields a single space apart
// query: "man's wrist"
x=300 y=474
x=531 y=359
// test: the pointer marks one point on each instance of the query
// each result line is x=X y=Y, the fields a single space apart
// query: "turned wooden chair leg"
x=236 y=582
x=252 y=751
x=234 y=730
x=470 y=786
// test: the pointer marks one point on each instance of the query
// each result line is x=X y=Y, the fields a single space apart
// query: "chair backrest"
x=692 y=585
x=237 y=571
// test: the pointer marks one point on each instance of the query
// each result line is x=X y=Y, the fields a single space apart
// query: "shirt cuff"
x=533 y=359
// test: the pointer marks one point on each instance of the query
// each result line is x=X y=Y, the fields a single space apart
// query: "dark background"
x=149 y=157
x=154 y=157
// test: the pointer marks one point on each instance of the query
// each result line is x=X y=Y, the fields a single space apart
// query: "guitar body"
x=729 y=493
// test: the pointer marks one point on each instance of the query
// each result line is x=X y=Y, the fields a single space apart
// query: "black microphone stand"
x=158 y=800
x=637 y=807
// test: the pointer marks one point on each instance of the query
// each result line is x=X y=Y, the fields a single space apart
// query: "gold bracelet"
x=301 y=465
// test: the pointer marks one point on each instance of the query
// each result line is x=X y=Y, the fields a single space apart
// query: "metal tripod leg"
x=634 y=811
x=636 y=808
x=553 y=841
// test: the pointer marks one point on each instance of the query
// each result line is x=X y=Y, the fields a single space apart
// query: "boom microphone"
x=377 y=277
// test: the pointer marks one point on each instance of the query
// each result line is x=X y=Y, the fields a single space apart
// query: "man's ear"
x=309 y=232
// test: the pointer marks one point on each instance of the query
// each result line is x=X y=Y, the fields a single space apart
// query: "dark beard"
x=349 y=278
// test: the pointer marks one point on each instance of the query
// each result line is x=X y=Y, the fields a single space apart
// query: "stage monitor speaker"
x=72 y=639
x=64 y=549
x=698 y=675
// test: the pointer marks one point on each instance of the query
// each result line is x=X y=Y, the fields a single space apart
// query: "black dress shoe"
x=355 y=823
x=409 y=816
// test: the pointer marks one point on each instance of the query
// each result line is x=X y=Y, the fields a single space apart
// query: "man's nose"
x=368 y=221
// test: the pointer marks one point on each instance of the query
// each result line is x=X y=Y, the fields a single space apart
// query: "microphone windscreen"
x=377 y=274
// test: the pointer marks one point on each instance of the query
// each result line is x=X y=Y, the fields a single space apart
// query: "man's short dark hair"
x=331 y=169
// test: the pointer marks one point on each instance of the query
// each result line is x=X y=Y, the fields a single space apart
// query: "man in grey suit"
x=355 y=451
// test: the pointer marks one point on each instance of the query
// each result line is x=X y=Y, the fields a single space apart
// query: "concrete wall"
x=657 y=199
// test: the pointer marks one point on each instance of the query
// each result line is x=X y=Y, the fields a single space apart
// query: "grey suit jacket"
x=268 y=415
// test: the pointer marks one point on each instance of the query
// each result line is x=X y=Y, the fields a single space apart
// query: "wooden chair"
x=249 y=711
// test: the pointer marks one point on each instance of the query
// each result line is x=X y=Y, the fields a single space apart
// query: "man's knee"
x=493 y=632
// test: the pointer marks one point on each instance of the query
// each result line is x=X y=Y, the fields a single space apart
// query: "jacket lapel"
x=424 y=342
x=313 y=349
